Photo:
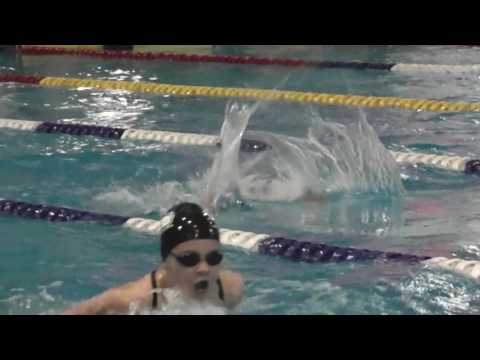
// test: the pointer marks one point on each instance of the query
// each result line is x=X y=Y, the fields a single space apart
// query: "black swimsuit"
x=153 y=278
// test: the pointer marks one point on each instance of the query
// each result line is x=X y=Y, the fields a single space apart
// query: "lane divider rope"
x=254 y=94
x=455 y=163
x=165 y=137
x=291 y=249
x=253 y=60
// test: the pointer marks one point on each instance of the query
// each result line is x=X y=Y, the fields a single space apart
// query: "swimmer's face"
x=196 y=281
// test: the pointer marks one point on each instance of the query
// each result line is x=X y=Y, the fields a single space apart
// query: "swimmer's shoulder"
x=140 y=293
x=140 y=290
x=116 y=300
x=233 y=285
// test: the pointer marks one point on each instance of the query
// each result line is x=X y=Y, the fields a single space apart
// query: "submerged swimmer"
x=190 y=249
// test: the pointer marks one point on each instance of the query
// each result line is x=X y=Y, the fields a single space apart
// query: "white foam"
x=55 y=284
x=177 y=305
x=156 y=198
x=46 y=296
x=221 y=179
x=332 y=158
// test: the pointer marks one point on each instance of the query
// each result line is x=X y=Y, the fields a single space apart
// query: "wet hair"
x=188 y=221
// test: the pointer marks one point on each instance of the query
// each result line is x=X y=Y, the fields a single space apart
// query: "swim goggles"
x=191 y=259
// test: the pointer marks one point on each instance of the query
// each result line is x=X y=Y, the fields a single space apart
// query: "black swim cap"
x=187 y=222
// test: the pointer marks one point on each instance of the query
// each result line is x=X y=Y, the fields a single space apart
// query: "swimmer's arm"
x=115 y=300
x=233 y=288
x=98 y=305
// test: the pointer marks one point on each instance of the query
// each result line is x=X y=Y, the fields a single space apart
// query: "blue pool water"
x=45 y=267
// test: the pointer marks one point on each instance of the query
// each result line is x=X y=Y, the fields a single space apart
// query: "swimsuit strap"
x=220 y=289
x=153 y=277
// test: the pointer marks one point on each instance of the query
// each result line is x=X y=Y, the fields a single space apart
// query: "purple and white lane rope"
x=166 y=137
x=291 y=249
x=455 y=163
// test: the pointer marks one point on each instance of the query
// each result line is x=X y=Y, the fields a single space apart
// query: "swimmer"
x=190 y=249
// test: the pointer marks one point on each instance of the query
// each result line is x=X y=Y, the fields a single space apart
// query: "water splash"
x=129 y=201
x=178 y=305
x=345 y=164
x=221 y=179
x=333 y=158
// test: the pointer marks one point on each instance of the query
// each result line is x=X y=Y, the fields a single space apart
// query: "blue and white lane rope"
x=456 y=163
x=165 y=137
x=291 y=249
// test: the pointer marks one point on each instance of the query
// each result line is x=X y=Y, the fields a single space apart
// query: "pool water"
x=45 y=267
